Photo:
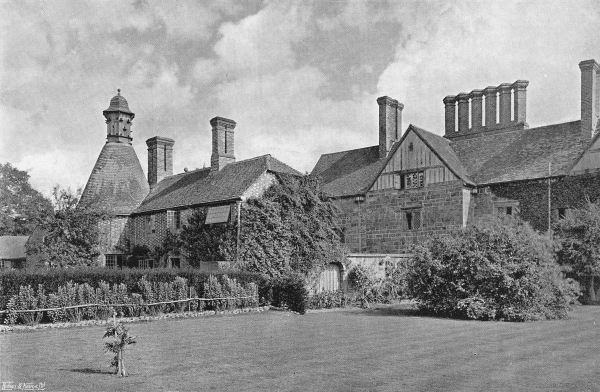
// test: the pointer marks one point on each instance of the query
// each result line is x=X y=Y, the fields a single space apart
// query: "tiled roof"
x=205 y=186
x=521 y=154
x=485 y=159
x=13 y=246
x=349 y=173
x=117 y=183
x=443 y=149
x=118 y=103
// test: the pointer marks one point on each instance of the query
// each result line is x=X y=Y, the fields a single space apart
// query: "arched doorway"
x=330 y=278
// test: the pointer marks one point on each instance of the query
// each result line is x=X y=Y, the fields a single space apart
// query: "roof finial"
x=118 y=91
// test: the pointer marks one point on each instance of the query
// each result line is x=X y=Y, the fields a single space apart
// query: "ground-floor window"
x=413 y=219
x=5 y=264
x=114 y=261
x=175 y=262
x=145 y=263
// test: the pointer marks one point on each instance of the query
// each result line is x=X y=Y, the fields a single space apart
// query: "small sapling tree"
x=121 y=339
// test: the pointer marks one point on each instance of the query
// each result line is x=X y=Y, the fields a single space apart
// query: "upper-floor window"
x=505 y=210
x=218 y=214
x=414 y=180
x=562 y=212
x=174 y=220
x=152 y=224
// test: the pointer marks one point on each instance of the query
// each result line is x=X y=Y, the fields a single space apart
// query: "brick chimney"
x=160 y=159
x=506 y=102
x=390 y=123
x=222 y=142
x=590 y=98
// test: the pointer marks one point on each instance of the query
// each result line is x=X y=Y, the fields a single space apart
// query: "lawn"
x=383 y=349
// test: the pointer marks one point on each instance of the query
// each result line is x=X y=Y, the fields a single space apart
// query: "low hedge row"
x=76 y=302
x=287 y=291
x=52 y=279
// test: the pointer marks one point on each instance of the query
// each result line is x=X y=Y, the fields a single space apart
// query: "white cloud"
x=470 y=45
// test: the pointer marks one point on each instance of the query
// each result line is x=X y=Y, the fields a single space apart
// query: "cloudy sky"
x=300 y=78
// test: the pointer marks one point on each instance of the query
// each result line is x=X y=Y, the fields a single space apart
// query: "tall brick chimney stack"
x=506 y=103
x=160 y=159
x=590 y=98
x=390 y=123
x=222 y=142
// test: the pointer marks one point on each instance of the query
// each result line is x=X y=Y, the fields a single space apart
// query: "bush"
x=494 y=270
x=329 y=299
x=368 y=288
x=289 y=291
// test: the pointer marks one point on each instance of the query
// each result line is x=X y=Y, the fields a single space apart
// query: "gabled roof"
x=353 y=172
x=204 y=186
x=117 y=183
x=442 y=148
x=349 y=173
x=590 y=146
x=521 y=154
x=13 y=246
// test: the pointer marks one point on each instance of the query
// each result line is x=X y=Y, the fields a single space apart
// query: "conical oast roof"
x=117 y=184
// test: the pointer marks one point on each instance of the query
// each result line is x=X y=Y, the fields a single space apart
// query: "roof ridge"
x=353 y=149
x=549 y=125
x=187 y=172
x=250 y=159
x=272 y=158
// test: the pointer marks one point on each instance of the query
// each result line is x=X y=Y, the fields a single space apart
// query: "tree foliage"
x=22 y=208
x=71 y=236
x=495 y=269
x=579 y=238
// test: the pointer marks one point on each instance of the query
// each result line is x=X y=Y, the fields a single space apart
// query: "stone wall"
x=379 y=223
x=532 y=197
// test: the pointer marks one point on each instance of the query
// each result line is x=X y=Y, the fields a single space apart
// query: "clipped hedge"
x=52 y=279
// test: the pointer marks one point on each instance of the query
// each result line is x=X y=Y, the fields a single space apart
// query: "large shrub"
x=495 y=269
x=289 y=290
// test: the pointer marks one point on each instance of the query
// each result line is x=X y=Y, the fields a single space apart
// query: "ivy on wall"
x=291 y=227
x=566 y=192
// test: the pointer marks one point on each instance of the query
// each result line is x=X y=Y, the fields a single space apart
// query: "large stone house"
x=143 y=211
x=417 y=183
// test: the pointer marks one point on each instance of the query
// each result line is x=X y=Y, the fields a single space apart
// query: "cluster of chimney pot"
x=498 y=102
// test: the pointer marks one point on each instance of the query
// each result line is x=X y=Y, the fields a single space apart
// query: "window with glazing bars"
x=414 y=180
x=413 y=220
